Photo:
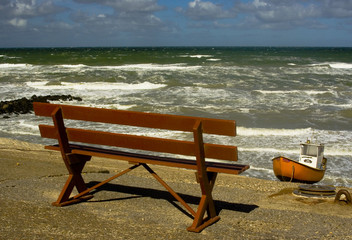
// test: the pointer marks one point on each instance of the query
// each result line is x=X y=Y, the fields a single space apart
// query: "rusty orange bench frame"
x=75 y=154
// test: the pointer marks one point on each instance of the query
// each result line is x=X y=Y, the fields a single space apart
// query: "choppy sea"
x=279 y=97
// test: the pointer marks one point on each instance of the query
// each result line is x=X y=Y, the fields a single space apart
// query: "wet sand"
x=136 y=206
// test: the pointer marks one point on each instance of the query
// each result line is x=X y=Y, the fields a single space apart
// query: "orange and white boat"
x=309 y=169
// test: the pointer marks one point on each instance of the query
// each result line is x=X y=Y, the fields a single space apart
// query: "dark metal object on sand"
x=315 y=191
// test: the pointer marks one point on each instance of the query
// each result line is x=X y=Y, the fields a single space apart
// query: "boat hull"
x=288 y=170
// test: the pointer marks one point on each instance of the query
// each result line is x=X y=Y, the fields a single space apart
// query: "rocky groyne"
x=25 y=105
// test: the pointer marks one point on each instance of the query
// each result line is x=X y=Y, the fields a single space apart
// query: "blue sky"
x=79 y=23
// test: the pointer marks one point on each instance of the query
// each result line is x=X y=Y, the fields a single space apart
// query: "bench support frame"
x=75 y=163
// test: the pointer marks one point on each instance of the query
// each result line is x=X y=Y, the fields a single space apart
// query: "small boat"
x=310 y=168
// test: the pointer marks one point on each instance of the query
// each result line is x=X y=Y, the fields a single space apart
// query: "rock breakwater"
x=25 y=105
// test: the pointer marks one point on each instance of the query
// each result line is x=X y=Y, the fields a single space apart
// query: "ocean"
x=279 y=97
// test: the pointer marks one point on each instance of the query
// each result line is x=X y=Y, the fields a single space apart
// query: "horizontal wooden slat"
x=139 y=119
x=215 y=151
x=221 y=152
x=47 y=131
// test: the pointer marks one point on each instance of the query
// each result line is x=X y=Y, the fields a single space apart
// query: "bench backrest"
x=196 y=125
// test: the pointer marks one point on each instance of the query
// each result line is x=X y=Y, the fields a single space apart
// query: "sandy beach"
x=135 y=206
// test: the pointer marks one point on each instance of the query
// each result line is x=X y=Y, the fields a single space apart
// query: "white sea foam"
x=14 y=65
x=267 y=150
x=82 y=67
x=150 y=67
x=309 y=92
x=201 y=56
x=243 y=131
x=4 y=56
x=45 y=85
x=331 y=151
x=338 y=180
x=214 y=59
x=26 y=124
x=73 y=66
x=112 y=106
x=197 y=56
x=244 y=110
x=15 y=126
x=342 y=106
x=341 y=65
x=336 y=65
x=19 y=131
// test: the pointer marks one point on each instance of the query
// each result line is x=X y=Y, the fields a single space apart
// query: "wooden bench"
x=78 y=145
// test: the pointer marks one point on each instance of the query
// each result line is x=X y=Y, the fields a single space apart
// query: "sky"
x=115 y=23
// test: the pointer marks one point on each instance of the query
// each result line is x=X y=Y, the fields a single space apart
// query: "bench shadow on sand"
x=131 y=192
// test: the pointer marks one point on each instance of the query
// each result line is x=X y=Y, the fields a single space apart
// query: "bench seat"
x=211 y=166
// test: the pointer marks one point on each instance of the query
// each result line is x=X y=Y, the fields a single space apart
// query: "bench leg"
x=206 y=204
x=73 y=162
x=74 y=180
x=199 y=222
x=83 y=193
x=169 y=189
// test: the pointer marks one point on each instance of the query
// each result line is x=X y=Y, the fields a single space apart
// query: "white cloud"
x=269 y=14
x=18 y=22
x=280 y=14
x=127 y=5
x=125 y=15
x=29 y=8
x=199 y=10
x=21 y=8
x=337 y=8
x=259 y=3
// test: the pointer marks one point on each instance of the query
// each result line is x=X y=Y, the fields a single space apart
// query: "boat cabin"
x=312 y=155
